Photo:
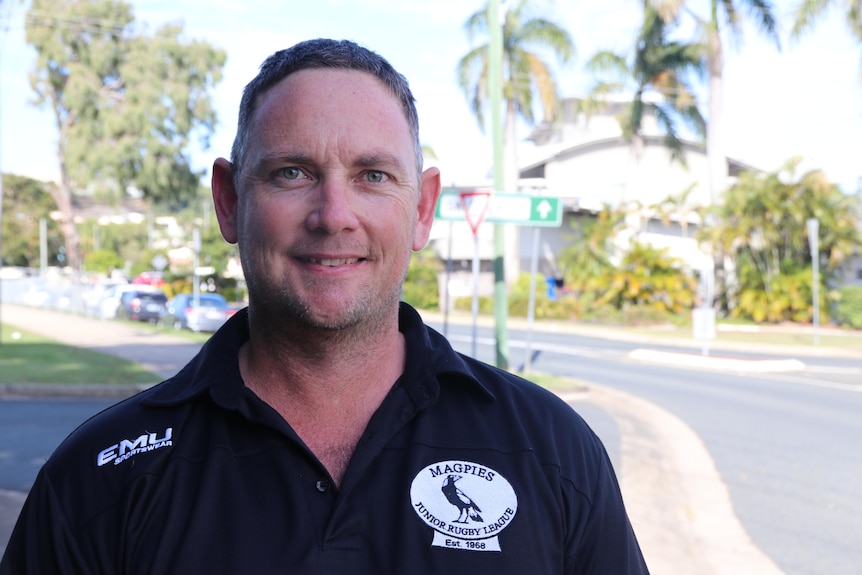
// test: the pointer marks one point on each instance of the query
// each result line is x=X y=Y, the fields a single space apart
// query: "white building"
x=588 y=164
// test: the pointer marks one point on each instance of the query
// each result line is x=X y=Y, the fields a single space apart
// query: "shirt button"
x=322 y=485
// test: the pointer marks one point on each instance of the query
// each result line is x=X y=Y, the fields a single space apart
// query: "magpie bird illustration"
x=466 y=507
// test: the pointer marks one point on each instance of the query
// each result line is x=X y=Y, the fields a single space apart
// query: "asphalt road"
x=785 y=444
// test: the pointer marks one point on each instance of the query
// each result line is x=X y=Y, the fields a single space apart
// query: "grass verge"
x=554 y=382
x=29 y=358
x=766 y=336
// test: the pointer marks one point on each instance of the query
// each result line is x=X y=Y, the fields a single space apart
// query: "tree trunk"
x=62 y=194
x=63 y=197
x=716 y=157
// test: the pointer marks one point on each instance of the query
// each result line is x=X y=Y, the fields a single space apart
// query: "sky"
x=803 y=101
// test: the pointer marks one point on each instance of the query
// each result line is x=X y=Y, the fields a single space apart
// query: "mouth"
x=334 y=262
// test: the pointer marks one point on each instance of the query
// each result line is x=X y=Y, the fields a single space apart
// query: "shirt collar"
x=430 y=360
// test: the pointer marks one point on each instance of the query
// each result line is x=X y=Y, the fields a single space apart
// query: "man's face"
x=329 y=205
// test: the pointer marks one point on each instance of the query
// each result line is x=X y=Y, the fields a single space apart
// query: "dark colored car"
x=211 y=313
x=144 y=305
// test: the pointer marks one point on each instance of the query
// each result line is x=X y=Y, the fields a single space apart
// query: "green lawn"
x=29 y=358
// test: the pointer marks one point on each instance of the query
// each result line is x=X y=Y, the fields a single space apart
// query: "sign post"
x=814 y=246
x=475 y=205
x=479 y=206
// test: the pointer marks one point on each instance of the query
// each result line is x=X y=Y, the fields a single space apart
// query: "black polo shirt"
x=464 y=468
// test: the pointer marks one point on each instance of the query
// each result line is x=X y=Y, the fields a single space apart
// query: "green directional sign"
x=518 y=209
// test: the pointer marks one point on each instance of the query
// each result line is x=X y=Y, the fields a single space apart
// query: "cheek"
x=264 y=222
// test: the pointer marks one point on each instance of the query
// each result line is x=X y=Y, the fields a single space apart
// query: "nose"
x=334 y=208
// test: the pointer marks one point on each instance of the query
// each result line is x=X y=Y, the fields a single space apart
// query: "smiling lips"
x=330 y=262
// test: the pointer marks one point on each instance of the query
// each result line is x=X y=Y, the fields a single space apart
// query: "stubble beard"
x=279 y=311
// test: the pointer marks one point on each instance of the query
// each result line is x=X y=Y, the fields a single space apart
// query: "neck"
x=325 y=384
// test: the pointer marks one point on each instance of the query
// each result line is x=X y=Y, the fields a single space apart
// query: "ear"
x=225 y=198
x=428 y=195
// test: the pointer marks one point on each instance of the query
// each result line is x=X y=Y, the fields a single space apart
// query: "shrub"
x=564 y=307
x=420 y=285
x=103 y=261
x=848 y=308
x=486 y=304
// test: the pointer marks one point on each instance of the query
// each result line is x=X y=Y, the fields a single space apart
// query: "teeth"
x=334 y=263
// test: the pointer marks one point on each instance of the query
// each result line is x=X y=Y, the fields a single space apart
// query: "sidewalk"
x=677 y=502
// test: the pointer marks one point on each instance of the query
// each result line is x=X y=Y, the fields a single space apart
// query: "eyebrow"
x=374 y=160
x=380 y=159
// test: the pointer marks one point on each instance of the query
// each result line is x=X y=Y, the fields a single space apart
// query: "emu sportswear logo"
x=119 y=452
x=467 y=504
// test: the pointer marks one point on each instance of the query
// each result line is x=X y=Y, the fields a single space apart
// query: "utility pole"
x=1 y=231
x=495 y=98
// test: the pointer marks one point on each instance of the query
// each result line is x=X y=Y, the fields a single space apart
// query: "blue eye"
x=375 y=176
x=290 y=173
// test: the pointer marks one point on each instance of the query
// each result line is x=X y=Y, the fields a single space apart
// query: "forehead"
x=331 y=98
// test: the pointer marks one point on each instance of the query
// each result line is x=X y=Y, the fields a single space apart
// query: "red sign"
x=475 y=207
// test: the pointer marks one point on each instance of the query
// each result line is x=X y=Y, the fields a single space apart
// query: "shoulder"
x=114 y=435
x=522 y=415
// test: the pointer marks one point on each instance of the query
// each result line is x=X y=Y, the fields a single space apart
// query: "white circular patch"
x=463 y=500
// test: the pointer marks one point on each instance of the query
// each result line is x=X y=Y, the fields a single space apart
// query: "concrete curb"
x=719 y=363
x=10 y=506
x=679 y=506
x=70 y=390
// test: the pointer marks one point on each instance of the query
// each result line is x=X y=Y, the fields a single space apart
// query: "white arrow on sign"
x=544 y=208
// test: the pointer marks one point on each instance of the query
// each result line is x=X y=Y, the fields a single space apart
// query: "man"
x=326 y=429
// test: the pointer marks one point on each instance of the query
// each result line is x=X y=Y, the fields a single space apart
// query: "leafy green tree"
x=658 y=66
x=103 y=261
x=761 y=225
x=127 y=105
x=711 y=26
x=25 y=202
x=128 y=240
x=526 y=75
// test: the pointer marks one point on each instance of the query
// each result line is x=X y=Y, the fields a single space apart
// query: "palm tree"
x=676 y=205
x=660 y=67
x=762 y=225
x=809 y=10
x=588 y=255
x=525 y=74
x=762 y=13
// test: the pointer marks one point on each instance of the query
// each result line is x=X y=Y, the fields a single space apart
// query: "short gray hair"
x=317 y=54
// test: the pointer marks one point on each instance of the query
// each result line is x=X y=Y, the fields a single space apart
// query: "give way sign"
x=475 y=207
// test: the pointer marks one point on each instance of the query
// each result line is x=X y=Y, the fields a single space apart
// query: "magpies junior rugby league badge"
x=467 y=504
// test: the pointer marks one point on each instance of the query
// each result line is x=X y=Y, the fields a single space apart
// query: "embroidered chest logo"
x=466 y=504
x=119 y=452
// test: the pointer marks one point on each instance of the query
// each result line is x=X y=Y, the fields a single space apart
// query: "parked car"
x=150 y=278
x=109 y=306
x=143 y=305
x=211 y=313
